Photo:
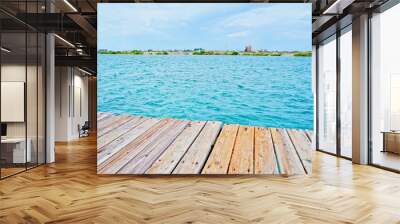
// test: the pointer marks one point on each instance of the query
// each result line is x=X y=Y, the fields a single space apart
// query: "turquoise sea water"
x=248 y=90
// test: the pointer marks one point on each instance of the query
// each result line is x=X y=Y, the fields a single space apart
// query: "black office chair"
x=84 y=130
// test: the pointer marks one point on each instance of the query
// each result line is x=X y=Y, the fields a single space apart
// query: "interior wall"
x=33 y=126
x=71 y=102
x=13 y=73
x=80 y=109
x=62 y=81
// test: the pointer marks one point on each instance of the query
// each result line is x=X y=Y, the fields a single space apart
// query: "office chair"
x=84 y=130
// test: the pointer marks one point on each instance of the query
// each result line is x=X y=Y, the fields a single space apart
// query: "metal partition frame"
x=340 y=30
x=44 y=76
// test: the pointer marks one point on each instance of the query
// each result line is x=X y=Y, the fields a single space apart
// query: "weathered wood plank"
x=279 y=145
x=292 y=156
x=194 y=159
x=287 y=158
x=134 y=145
x=243 y=153
x=123 y=156
x=166 y=163
x=106 y=121
x=118 y=122
x=99 y=115
x=218 y=162
x=310 y=135
x=102 y=115
x=110 y=149
x=303 y=147
x=141 y=162
x=264 y=155
x=110 y=136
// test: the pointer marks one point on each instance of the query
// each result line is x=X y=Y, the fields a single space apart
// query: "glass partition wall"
x=334 y=97
x=22 y=77
x=345 y=90
x=385 y=89
x=334 y=107
x=327 y=95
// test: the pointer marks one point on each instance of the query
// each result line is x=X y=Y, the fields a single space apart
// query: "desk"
x=15 y=148
x=391 y=141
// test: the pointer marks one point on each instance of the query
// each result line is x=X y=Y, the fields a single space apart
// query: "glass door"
x=385 y=89
x=327 y=95
x=346 y=92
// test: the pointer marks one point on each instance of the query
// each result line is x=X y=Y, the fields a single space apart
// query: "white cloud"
x=136 y=19
x=169 y=23
x=265 y=15
x=238 y=34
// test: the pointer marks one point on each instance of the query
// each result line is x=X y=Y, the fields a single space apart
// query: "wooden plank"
x=289 y=162
x=102 y=115
x=118 y=131
x=141 y=162
x=118 y=122
x=218 y=162
x=303 y=147
x=166 y=163
x=110 y=149
x=310 y=135
x=243 y=153
x=294 y=160
x=99 y=115
x=106 y=121
x=279 y=145
x=194 y=159
x=264 y=155
x=126 y=154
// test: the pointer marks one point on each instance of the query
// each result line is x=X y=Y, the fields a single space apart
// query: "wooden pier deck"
x=141 y=145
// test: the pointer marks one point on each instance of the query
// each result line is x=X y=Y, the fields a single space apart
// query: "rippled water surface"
x=261 y=91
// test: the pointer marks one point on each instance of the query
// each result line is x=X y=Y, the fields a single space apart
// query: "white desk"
x=18 y=150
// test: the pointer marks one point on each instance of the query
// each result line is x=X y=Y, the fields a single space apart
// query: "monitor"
x=3 y=129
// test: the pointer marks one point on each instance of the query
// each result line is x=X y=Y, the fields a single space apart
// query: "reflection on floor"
x=387 y=159
x=10 y=171
x=70 y=191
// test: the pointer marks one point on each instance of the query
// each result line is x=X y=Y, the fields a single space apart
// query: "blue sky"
x=228 y=26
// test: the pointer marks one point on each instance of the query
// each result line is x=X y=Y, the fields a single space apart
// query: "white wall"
x=33 y=126
x=70 y=83
x=17 y=72
x=14 y=72
x=62 y=82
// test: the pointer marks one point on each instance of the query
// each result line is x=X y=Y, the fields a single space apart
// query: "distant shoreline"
x=209 y=52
